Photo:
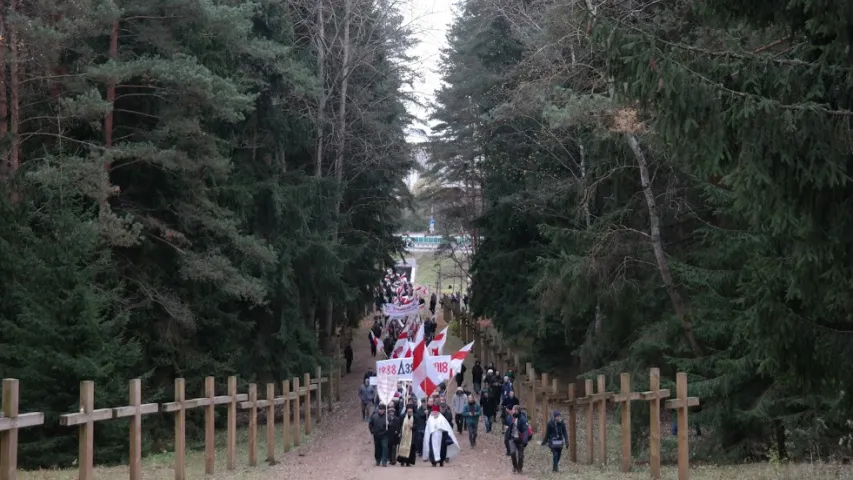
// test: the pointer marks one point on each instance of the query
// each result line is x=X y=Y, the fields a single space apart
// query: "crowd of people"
x=406 y=428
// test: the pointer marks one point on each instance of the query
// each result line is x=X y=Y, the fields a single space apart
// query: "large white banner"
x=396 y=311
x=399 y=368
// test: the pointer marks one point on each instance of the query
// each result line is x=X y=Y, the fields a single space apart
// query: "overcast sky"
x=429 y=20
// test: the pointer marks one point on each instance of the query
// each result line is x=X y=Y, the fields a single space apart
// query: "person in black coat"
x=379 y=429
x=348 y=357
x=557 y=438
x=477 y=377
x=420 y=424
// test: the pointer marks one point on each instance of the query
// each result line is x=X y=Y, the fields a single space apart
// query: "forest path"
x=342 y=448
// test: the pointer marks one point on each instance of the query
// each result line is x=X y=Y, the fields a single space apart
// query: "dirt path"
x=343 y=448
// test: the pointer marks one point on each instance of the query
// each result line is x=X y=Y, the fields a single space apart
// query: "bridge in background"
x=420 y=242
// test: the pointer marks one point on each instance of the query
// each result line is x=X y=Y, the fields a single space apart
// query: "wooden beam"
x=285 y=421
x=270 y=403
x=573 y=424
x=625 y=397
x=654 y=396
x=681 y=404
x=602 y=417
x=10 y=422
x=297 y=428
x=136 y=410
x=253 y=424
x=180 y=431
x=86 y=420
x=232 y=424
x=209 y=426
x=307 y=377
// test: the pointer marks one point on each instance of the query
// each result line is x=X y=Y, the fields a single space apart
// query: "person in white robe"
x=440 y=442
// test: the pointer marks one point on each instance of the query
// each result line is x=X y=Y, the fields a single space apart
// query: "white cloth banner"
x=400 y=310
x=386 y=387
x=399 y=368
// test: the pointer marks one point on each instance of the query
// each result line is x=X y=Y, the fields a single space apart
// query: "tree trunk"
x=14 y=90
x=657 y=245
x=328 y=324
x=4 y=102
x=321 y=75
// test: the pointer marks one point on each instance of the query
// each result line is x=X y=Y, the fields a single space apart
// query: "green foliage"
x=193 y=237
x=741 y=113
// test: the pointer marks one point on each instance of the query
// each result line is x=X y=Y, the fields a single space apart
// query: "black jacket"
x=377 y=425
x=557 y=431
x=477 y=374
x=420 y=419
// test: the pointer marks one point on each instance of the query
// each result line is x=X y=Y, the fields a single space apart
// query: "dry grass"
x=160 y=466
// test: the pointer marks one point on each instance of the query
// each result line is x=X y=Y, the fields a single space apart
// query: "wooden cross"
x=592 y=399
x=297 y=428
x=307 y=404
x=625 y=397
x=232 y=423
x=86 y=419
x=573 y=424
x=180 y=406
x=136 y=410
x=546 y=407
x=10 y=421
x=681 y=403
x=654 y=396
x=531 y=402
x=287 y=395
x=252 y=405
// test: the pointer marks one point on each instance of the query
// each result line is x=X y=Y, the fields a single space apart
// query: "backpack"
x=525 y=430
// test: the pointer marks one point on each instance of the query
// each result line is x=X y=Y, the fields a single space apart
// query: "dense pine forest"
x=189 y=188
x=664 y=184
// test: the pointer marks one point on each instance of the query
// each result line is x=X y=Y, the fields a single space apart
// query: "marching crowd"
x=406 y=429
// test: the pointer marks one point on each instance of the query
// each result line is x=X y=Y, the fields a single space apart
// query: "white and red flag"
x=457 y=358
x=437 y=343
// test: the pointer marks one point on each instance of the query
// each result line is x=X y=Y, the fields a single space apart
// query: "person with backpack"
x=517 y=434
x=557 y=438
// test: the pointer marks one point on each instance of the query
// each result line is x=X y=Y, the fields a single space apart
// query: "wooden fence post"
x=654 y=396
x=253 y=424
x=545 y=404
x=10 y=422
x=603 y=396
x=232 y=424
x=681 y=404
x=86 y=419
x=209 y=425
x=180 y=430
x=319 y=394
x=625 y=397
x=330 y=399
x=297 y=427
x=573 y=424
x=135 y=410
x=307 y=377
x=270 y=404
x=533 y=401
x=285 y=421
x=589 y=400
